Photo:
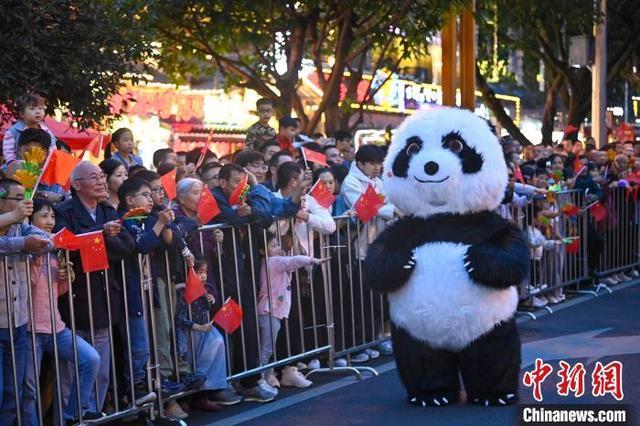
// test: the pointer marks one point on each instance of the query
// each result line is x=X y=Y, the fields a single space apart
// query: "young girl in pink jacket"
x=274 y=303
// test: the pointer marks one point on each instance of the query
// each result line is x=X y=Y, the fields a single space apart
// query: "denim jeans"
x=139 y=347
x=210 y=358
x=20 y=345
x=88 y=366
x=67 y=372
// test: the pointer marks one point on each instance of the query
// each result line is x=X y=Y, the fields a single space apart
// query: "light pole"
x=599 y=78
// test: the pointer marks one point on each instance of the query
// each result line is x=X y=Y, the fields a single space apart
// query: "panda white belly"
x=442 y=306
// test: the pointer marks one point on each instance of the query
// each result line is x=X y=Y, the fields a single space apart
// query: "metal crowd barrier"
x=332 y=315
x=619 y=233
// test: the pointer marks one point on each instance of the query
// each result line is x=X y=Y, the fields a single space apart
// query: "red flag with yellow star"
x=194 y=287
x=321 y=193
x=229 y=317
x=368 y=204
x=93 y=251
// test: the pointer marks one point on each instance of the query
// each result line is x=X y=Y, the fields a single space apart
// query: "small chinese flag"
x=321 y=193
x=203 y=151
x=168 y=181
x=577 y=167
x=368 y=204
x=518 y=175
x=570 y=209
x=194 y=287
x=58 y=167
x=207 y=207
x=573 y=246
x=93 y=251
x=65 y=239
x=229 y=317
x=94 y=147
x=598 y=211
x=313 y=156
x=285 y=143
x=238 y=195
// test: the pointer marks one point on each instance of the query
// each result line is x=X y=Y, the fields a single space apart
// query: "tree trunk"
x=549 y=114
x=494 y=104
x=580 y=99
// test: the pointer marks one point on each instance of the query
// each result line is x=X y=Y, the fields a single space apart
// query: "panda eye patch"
x=412 y=149
x=455 y=146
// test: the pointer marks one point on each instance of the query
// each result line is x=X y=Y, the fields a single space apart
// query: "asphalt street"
x=585 y=330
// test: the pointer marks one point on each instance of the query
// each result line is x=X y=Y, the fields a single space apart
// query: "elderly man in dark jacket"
x=93 y=292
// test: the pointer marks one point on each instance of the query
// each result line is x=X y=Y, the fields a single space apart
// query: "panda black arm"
x=501 y=261
x=389 y=261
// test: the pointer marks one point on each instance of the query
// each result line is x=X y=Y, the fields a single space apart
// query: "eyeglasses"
x=262 y=167
x=94 y=177
x=143 y=194
x=19 y=198
x=159 y=191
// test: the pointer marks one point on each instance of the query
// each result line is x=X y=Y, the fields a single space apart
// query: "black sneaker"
x=87 y=417
x=170 y=388
x=193 y=381
x=142 y=394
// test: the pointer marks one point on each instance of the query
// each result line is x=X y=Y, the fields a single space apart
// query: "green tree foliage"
x=262 y=44
x=76 y=53
x=542 y=29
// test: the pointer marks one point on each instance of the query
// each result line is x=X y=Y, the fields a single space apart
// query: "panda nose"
x=431 y=168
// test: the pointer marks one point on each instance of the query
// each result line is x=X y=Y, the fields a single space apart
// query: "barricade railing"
x=332 y=314
x=618 y=233
x=555 y=228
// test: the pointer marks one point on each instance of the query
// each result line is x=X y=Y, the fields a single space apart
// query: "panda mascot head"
x=445 y=160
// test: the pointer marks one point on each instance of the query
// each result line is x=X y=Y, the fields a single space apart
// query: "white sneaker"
x=538 y=303
x=553 y=300
x=292 y=377
x=361 y=357
x=301 y=366
x=610 y=281
x=262 y=383
x=373 y=354
x=634 y=273
x=623 y=277
x=340 y=362
x=271 y=379
x=314 y=364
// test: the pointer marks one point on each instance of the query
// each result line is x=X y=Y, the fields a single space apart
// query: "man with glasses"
x=253 y=162
x=260 y=132
x=86 y=212
x=209 y=175
x=18 y=237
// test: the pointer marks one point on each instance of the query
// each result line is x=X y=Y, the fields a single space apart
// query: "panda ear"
x=401 y=163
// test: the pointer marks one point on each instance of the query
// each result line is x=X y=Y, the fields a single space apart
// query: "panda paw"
x=495 y=401
x=468 y=264
x=430 y=401
x=411 y=263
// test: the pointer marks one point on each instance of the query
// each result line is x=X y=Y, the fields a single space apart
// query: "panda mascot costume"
x=450 y=266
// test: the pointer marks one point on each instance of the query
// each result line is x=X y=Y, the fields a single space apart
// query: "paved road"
x=585 y=329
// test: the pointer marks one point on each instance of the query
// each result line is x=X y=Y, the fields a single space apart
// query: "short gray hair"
x=184 y=186
x=75 y=174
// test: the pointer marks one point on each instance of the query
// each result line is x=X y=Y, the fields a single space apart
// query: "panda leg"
x=490 y=366
x=429 y=375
